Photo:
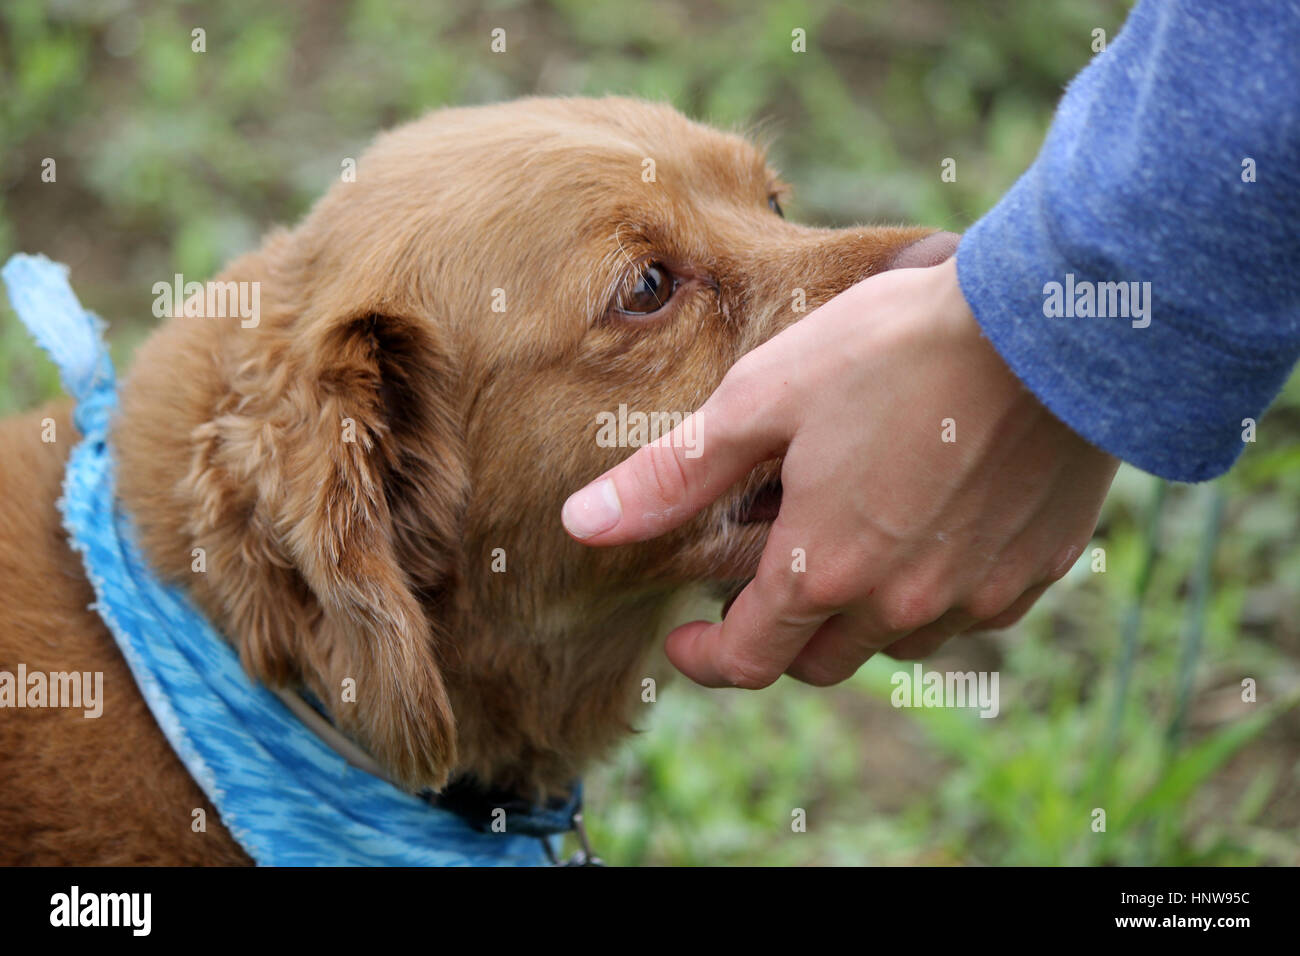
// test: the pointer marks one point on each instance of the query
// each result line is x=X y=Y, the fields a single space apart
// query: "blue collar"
x=286 y=796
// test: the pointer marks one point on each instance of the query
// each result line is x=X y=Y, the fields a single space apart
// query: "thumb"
x=666 y=483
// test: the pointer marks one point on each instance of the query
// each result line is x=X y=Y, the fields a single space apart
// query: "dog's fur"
x=372 y=560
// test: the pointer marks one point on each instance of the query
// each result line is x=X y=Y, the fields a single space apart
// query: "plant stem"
x=1195 y=637
x=1129 y=636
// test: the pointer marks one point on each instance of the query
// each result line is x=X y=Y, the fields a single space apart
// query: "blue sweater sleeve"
x=1142 y=278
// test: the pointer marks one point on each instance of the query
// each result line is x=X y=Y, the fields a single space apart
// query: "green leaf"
x=1196 y=764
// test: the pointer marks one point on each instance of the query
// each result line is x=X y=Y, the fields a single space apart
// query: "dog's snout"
x=927 y=251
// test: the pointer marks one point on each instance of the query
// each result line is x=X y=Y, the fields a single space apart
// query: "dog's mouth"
x=760 y=505
x=755 y=508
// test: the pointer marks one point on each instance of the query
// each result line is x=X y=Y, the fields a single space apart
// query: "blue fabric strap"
x=285 y=795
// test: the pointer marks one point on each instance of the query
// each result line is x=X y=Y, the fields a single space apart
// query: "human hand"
x=909 y=539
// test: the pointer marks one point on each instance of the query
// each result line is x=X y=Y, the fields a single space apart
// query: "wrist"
x=959 y=322
x=951 y=310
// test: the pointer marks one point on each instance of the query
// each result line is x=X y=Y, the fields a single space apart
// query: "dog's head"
x=502 y=303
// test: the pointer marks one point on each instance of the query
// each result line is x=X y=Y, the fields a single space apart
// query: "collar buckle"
x=581 y=856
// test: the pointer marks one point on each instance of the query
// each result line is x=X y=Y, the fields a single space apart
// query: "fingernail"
x=592 y=510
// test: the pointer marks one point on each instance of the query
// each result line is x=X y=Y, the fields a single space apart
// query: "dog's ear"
x=336 y=479
x=373 y=492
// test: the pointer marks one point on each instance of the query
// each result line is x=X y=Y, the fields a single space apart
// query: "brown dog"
x=493 y=280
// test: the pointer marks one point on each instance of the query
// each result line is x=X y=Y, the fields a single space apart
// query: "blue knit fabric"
x=1140 y=179
x=286 y=796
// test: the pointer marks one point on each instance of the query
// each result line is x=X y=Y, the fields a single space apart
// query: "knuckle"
x=777 y=582
x=822 y=592
x=991 y=600
x=909 y=607
x=739 y=671
x=730 y=415
x=745 y=394
x=665 y=475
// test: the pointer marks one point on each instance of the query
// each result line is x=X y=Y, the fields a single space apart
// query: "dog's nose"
x=928 y=251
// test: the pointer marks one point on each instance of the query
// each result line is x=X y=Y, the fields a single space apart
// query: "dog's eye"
x=775 y=206
x=649 y=293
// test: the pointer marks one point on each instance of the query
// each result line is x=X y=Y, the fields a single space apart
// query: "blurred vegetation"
x=1121 y=690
